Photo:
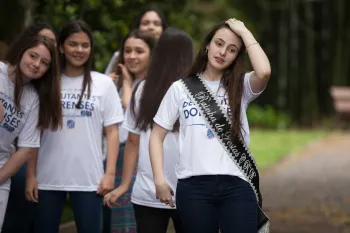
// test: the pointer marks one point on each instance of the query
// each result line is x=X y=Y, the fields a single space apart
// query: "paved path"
x=310 y=192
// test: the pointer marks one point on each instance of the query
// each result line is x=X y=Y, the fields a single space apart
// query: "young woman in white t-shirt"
x=151 y=215
x=70 y=160
x=212 y=193
x=132 y=66
x=18 y=208
x=29 y=92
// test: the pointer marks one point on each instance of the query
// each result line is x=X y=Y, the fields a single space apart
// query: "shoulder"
x=30 y=95
x=101 y=80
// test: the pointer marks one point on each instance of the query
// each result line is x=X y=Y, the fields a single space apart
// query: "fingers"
x=32 y=195
x=36 y=194
x=110 y=200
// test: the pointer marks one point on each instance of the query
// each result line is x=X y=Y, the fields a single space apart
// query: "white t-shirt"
x=144 y=192
x=123 y=133
x=21 y=123
x=111 y=63
x=200 y=152
x=70 y=159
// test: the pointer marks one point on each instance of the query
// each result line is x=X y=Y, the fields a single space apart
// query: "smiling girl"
x=18 y=208
x=29 y=92
x=70 y=160
x=133 y=66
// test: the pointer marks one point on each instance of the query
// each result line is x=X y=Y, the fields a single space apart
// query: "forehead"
x=47 y=33
x=40 y=50
x=150 y=15
x=228 y=36
x=135 y=42
x=81 y=37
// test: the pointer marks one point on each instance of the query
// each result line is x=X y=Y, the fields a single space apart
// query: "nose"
x=80 y=48
x=223 y=52
x=151 y=27
x=132 y=55
x=36 y=63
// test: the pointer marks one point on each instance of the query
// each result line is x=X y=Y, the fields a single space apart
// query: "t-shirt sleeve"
x=168 y=111
x=113 y=111
x=248 y=94
x=29 y=136
x=129 y=122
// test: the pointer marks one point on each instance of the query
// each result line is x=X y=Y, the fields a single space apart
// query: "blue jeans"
x=18 y=210
x=209 y=203
x=86 y=209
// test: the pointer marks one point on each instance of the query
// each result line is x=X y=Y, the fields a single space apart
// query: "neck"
x=11 y=71
x=72 y=71
x=212 y=74
x=141 y=75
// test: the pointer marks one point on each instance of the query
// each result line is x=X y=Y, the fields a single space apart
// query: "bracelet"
x=251 y=45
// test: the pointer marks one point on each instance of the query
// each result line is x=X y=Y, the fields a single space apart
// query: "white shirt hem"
x=151 y=204
x=162 y=123
x=113 y=121
x=68 y=188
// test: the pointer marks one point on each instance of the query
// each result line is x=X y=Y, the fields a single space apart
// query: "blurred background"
x=308 y=44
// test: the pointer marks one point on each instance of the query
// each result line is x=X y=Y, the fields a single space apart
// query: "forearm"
x=130 y=160
x=15 y=162
x=112 y=151
x=31 y=165
x=156 y=156
x=257 y=56
x=127 y=93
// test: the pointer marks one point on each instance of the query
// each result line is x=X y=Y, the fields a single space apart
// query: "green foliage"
x=267 y=118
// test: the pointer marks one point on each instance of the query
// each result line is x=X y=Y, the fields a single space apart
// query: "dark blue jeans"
x=209 y=203
x=19 y=215
x=86 y=209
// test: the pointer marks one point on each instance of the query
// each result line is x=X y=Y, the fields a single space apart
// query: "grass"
x=270 y=146
x=267 y=147
x=67 y=214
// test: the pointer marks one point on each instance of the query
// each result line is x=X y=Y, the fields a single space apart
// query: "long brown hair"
x=231 y=80
x=48 y=86
x=171 y=59
x=76 y=26
x=146 y=37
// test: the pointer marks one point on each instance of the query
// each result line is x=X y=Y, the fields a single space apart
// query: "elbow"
x=133 y=139
x=265 y=74
x=31 y=152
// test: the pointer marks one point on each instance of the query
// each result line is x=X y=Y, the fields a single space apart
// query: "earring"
x=206 y=50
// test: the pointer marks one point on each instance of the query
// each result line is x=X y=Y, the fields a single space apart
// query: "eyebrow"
x=48 y=60
x=75 y=42
x=134 y=47
x=225 y=42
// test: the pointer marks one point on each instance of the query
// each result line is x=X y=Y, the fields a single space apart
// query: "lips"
x=219 y=60
x=33 y=70
x=79 y=58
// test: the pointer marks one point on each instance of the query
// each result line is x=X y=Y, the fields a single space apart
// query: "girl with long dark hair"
x=133 y=65
x=149 y=19
x=70 y=160
x=218 y=184
x=18 y=208
x=171 y=59
x=29 y=92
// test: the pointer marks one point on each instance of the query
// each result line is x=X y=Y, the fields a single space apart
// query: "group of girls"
x=133 y=138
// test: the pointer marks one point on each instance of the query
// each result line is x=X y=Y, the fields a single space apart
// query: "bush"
x=267 y=118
